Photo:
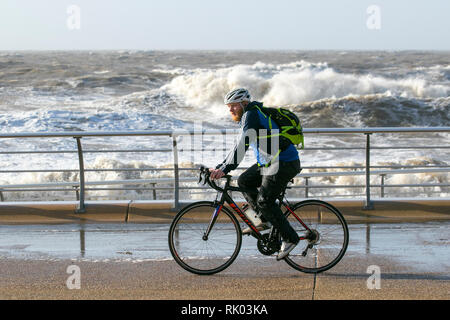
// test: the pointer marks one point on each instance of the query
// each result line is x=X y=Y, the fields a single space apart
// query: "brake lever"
x=200 y=176
x=203 y=172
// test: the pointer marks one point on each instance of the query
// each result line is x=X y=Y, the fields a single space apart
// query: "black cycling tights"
x=270 y=186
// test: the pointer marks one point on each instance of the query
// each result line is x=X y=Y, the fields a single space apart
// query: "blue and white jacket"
x=254 y=127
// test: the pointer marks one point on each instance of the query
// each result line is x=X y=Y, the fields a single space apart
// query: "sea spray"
x=164 y=91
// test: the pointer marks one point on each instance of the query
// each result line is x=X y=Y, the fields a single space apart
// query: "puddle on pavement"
x=423 y=245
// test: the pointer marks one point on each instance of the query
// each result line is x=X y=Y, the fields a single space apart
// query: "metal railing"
x=80 y=187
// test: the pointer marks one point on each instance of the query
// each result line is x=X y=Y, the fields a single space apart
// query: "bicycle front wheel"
x=327 y=236
x=195 y=252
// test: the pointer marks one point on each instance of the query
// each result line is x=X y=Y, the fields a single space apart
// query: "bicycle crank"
x=268 y=246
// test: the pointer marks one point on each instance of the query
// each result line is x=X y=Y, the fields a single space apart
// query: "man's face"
x=236 y=111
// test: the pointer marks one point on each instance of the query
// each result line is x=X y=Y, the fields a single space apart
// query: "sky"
x=224 y=25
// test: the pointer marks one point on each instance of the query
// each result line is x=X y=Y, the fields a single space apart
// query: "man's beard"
x=238 y=116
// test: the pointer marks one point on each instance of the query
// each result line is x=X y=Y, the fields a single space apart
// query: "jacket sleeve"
x=247 y=135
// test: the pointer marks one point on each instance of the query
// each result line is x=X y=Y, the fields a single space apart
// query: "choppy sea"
x=157 y=90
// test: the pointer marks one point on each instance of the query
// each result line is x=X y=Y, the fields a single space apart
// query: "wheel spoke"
x=328 y=236
x=199 y=255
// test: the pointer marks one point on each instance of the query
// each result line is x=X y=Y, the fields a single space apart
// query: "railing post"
x=81 y=207
x=1 y=196
x=176 y=204
x=77 y=193
x=306 y=187
x=382 y=184
x=368 y=205
x=154 y=190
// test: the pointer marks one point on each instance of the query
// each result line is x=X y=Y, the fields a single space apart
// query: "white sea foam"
x=293 y=83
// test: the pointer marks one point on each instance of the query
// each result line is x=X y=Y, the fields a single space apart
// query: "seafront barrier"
x=364 y=180
x=385 y=211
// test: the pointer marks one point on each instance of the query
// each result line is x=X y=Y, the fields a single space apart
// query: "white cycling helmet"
x=237 y=95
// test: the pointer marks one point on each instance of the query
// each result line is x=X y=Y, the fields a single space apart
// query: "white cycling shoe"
x=286 y=247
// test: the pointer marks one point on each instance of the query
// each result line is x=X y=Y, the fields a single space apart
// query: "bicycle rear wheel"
x=200 y=255
x=327 y=236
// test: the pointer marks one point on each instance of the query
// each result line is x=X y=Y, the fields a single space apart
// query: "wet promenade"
x=132 y=261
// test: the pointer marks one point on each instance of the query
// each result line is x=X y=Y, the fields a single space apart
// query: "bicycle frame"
x=226 y=198
x=268 y=242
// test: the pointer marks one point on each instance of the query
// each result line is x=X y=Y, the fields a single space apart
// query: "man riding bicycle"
x=275 y=167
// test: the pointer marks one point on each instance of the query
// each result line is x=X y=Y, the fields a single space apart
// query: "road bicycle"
x=205 y=237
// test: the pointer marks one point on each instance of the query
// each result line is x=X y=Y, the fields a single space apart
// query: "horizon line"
x=233 y=50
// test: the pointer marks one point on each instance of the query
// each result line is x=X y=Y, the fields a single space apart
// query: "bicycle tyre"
x=330 y=247
x=185 y=236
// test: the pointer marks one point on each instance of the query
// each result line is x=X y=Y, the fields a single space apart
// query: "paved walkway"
x=131 y=261
x=243 y=280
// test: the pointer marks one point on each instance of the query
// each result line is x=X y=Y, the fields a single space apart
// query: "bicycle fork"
x=212 y=221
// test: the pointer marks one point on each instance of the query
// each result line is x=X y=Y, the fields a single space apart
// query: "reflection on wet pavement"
x=423 y=246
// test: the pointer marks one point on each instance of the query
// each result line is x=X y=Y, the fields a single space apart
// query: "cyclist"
x=272 y=172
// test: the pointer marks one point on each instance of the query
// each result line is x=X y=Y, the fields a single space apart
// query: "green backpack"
x=287 y=122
